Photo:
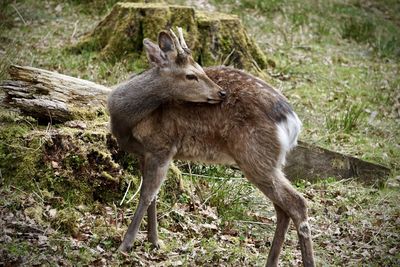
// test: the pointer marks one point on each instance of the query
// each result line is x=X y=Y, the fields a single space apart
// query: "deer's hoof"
x=159 y=244
x=124 y=249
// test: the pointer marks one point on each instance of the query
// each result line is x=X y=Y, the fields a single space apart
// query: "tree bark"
x=49 y=95
x=52 y=96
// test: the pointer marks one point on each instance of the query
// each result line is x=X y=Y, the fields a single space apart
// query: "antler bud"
x=177 y=43
x=182 y=40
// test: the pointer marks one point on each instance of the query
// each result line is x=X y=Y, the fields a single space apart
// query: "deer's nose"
x=222 y=94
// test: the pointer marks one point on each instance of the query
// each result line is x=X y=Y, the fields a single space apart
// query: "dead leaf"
x=42 y=239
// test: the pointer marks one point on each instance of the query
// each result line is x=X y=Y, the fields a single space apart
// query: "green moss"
x=338 y=163
x=121 y=32
x=76 y=166
x=87 y=113
x=214 y=38
x=225 y=41
x=91 y=137
x=108 y=176
x=75 y=161
x=35 y=212
x=19 y=249
x=173 y=187
x=19 y=155
x=67 y=220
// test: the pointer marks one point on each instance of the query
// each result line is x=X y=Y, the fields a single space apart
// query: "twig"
x=252 y=222
x=49 y=125
x=256 y=65
x=18 y=147
x=227 y=58
x=32 y=59
x=74 y=31
x=22 y=191
x=126 y=192
x=79 y=245
x=26 y=225
x=116 y=214
x=36 y=194
x=372 y=238
x=19 y=14
x=213 y=193
x=316 y=236
x=343 y=181
x=39 y=196
x=190 y=168
x=137 y=191
x=213 y=177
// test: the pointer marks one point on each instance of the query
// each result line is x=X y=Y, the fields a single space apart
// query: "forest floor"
x=337 y=62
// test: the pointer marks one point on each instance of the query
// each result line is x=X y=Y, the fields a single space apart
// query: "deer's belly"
x=203 y=150
x=219 y=158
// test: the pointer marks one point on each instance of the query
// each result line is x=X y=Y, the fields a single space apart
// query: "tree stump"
x=214 y=38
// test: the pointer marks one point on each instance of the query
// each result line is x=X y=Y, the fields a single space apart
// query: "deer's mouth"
x=213 y=101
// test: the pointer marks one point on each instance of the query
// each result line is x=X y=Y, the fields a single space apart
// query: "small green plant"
x=387 y=45
x=351 y=118
x=346 y=121
x=360 y=29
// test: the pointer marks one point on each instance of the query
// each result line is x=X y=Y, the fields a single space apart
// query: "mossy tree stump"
x=214 y=38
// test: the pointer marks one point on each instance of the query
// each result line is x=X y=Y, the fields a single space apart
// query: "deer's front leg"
x=152 y=233
x=154 y=172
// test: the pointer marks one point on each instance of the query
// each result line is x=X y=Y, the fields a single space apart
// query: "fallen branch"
x=49 y=95
x=311 y=162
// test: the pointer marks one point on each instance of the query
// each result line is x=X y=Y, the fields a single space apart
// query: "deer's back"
x=218 y=132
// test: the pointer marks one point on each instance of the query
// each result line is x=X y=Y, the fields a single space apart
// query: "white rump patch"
x=288 y=130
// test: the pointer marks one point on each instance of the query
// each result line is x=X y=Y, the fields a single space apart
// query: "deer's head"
x=185 y=79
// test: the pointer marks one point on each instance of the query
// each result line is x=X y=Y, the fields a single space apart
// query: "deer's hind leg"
x=290 y=203
x=282 y=225
x=154 y=173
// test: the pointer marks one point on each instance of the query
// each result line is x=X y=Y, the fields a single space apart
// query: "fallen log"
x=48 y=95
x=312 y=163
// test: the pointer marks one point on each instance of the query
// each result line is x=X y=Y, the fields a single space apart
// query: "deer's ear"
x=165 y=42
x=154 y=54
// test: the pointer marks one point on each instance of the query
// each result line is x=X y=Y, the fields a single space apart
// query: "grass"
x=346 y=121
x=44 y=40
x=338 y=63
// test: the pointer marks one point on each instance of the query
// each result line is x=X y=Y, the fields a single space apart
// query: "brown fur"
x=240 y=116
x=242 y=130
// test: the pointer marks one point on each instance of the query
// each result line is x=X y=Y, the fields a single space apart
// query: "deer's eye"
x=191 y=77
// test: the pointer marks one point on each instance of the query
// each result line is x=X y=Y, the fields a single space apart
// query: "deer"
x=220 y=115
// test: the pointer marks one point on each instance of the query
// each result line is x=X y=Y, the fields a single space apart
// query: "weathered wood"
x=44 y=94
x=38 y=93
x=311 y=162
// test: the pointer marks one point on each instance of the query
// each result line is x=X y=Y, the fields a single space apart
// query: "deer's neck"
x=145 y=93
